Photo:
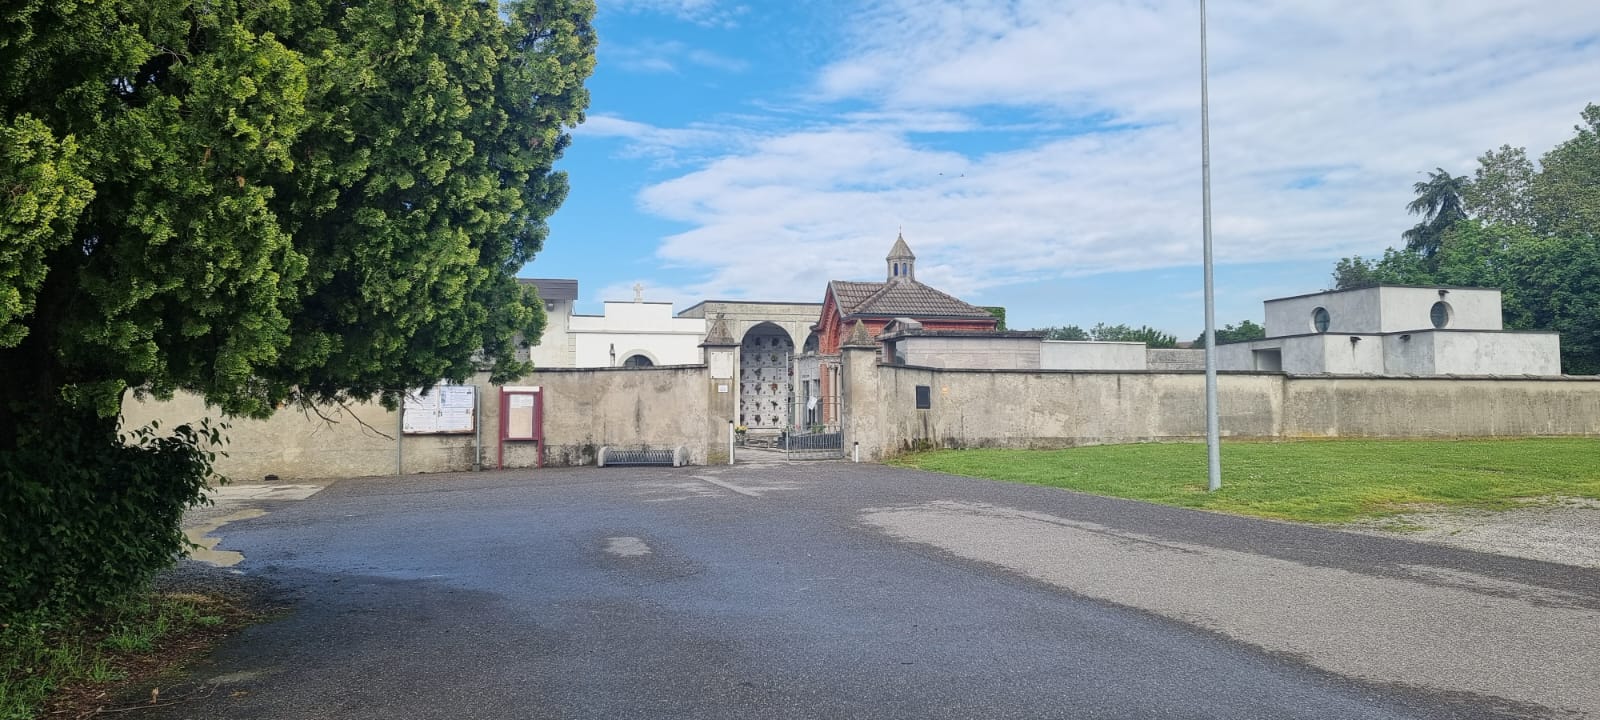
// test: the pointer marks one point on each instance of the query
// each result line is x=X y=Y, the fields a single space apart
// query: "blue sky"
x=1039 y=154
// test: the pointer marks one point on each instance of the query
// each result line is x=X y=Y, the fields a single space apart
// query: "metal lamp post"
x=1213 y=452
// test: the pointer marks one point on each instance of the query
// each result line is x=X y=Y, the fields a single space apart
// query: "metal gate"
x=813 y=446
x=815 y=433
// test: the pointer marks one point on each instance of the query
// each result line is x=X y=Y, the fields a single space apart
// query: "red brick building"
x=876 y=304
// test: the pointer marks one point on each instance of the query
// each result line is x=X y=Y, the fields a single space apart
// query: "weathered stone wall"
x=627 y=408
x=1440 y=407
x=1045 y=409
x=1087 y=355
x=1168 y=359
x=1011 y=353
x=584 y=409
x=292 y=444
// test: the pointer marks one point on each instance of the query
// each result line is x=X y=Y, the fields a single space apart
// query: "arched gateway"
x=766 y=377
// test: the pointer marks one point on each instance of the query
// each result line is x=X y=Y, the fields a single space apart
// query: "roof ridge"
x=868 y=304
x=942 y=293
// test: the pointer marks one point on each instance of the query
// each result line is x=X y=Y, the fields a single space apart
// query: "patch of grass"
x=1323 y=481
x=48 y=663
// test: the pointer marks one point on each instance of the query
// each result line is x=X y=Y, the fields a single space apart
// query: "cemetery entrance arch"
x=766 y=378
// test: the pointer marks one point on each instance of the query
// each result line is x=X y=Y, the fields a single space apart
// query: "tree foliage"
x=1245 y=330
x=1533 y=231
x=309 y=199
x=1150 y=336
x=1102 y=332
x=1440 y=204
x=1068 y=332
x=270 y=201
x=999 y=314
x=1501 y=189
x=1565 y=194
x=87 y=522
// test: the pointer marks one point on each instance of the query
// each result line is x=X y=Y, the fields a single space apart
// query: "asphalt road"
x=835 y=590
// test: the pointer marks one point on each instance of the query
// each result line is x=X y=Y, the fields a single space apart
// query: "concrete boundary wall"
x=584 y=408
x=692 y=407
x=1045 y=409
x=625 y=408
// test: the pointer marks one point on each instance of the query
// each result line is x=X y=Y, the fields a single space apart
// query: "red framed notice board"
x=521 y=419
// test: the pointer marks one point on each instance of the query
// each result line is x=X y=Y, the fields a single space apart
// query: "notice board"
x=447 y=409
x=519 y=417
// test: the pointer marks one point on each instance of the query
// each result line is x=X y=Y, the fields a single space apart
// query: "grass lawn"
x=1327 y=481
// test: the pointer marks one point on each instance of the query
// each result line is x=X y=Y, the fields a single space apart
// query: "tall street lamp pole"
x=1213 y=452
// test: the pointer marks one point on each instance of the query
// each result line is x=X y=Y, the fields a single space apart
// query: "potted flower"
x=739 y=431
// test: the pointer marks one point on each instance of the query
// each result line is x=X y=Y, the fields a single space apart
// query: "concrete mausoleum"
x=1394 y=330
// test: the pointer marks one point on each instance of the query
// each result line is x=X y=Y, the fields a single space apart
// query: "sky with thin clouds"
x=1043 y=155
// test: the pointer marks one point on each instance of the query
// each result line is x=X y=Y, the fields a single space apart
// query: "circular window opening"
x=1440 y=314
x=1319 y=320
x=637 y=361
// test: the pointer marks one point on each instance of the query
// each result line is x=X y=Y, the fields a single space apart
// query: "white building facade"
x=635 y=334
x=626 y=334
x=1394 y=330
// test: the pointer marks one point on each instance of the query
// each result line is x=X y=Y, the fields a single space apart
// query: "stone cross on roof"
x=638 y=292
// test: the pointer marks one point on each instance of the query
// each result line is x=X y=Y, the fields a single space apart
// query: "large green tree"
x=1440 y=205
x=1565 y=194
x=269 y=201
x=1500 y=191
x=265 y=200
x=1531 y=230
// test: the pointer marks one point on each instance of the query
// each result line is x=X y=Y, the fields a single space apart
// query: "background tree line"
x=1151 y=337
x=1530 y=229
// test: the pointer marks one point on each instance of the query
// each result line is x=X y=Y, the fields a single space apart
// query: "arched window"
x=637 y=361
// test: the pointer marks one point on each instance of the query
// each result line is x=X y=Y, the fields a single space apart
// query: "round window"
x=1319 y=320
x=1440 y=315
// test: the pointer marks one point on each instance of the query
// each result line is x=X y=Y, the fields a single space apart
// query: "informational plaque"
x=721 y=365
x=447 y=409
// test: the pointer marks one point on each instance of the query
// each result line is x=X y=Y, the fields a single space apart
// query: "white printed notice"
x=519 y=417
x=446 y=409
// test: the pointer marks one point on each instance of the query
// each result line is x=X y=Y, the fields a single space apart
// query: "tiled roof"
x=901 y=298
x=850 y=294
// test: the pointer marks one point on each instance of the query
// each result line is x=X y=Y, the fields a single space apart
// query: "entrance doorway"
x=766 y=378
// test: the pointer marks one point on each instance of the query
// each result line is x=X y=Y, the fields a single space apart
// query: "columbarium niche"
x=766 y=378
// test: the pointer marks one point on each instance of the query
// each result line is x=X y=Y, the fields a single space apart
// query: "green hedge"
x=87 y=516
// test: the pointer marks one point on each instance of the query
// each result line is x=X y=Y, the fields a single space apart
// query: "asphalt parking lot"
x=835 y=590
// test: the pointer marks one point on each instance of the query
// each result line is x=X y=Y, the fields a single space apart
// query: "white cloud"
x=1322 y=117
x=667 y=146
x=667 y=57
x=702 y=12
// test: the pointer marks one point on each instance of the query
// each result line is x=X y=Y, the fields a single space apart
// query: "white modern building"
x=632 y=333
x=1394 y=330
